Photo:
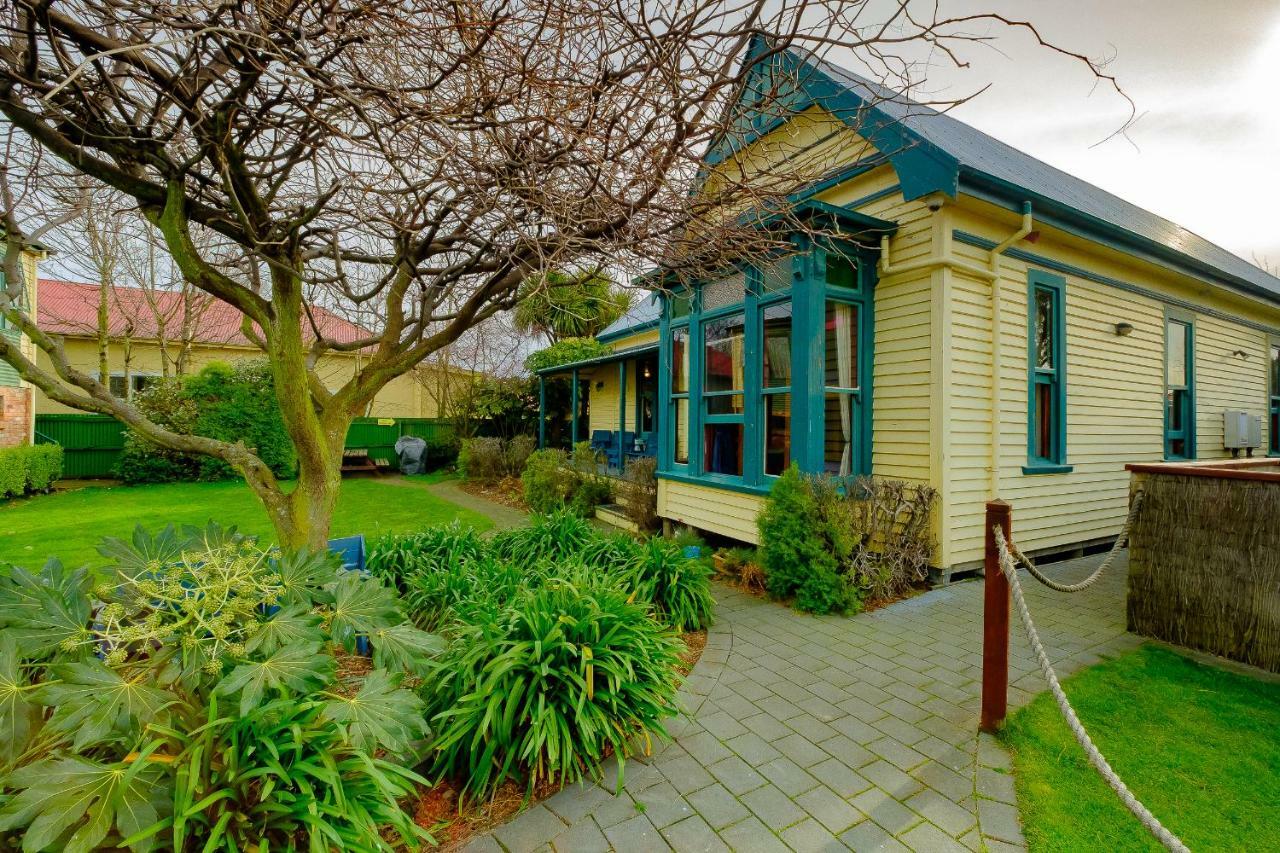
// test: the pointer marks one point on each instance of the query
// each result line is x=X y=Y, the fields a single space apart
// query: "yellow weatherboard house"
x=995 y=328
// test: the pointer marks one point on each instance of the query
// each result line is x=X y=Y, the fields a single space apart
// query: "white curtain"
x=844 y=368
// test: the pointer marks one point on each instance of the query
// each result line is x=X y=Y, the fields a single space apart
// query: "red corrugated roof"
x=71 y=308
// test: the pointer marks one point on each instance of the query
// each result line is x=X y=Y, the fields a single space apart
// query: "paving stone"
x=752 y=836
x=662 y=804
x=801 y=750
x=615 y=810
x=829 y=809
x=901 y=730
x=944 y=780
x=769 y=728
x=483 y=844
x=577 y=801
x=889 y=778
x=856 y=729
x=897 y=753
x=753 y=749
x=942 y=811
x=686 y=774
x=722 y=725
x=1000 y=821
x=774 y=808
x=584 y=837
x=869 y=837
x=996 y=785
x=812 y=727
x=787 y=776
x=848 y=751
x=705 y=747
x=839 y=777
x=637 y=834
x=736 y=775
x=927 y=838
x=809 y=835
x=886 y=811
x=693 y=835
x=718 y=806
x=530 y=830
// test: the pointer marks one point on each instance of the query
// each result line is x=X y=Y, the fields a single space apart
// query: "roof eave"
x=1066 y=218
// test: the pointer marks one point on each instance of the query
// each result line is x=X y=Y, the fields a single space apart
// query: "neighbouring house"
x=986 y=324
x=17 y=397
x=145 y=329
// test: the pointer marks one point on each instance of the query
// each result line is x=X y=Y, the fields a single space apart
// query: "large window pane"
x=1275 y=371
x=680 y=429
x=776 y=348
x=680 y=360
x=1176 y=353
x=722 y=450
x=724 y=404
x=1044 y=329
x=724 y=292
x=777 y=433
x=723 y=353
x=1043 y=448
x=840 y=434
x=842 y=345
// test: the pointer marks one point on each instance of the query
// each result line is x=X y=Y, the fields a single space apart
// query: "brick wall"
x=16 y=405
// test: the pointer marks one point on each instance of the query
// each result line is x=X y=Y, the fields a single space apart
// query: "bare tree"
x=412 y=162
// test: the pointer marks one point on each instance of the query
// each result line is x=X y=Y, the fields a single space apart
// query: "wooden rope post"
x=995 y=621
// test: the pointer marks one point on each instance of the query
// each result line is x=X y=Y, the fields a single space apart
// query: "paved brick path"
x=810 y=734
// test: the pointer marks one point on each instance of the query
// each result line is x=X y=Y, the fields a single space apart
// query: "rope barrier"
x=1148 y=820
x=1121 y=541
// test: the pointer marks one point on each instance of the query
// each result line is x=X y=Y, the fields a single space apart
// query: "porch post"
x=542 y=411
x=995 y=620
x=622 y=414
x=573 y=407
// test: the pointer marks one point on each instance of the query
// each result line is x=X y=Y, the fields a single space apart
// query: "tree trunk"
x=104 y=330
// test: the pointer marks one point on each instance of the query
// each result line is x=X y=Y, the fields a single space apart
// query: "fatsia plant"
x=194 y=701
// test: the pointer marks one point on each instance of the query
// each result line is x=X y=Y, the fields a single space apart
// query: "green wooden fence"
x=92 y=443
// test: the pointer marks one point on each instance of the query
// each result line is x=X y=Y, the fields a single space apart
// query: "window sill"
x=712 y=481
x=1047 y=468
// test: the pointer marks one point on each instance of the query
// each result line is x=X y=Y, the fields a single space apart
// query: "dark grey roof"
x=987 y=156
x=644 y=313
x=616 y=355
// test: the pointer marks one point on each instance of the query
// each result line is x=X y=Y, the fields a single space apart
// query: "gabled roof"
x=71 y=308
x=934 y=152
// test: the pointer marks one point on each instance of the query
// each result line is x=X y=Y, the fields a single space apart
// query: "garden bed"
x=437 y=811
x=508 y=491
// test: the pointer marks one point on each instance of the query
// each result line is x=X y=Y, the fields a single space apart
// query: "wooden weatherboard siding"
x=603 y=409
x=1115 y=384
x=728 y=513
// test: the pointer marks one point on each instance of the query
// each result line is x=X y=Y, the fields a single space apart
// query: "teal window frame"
x=669 y=399
x=705 y=398
x=1187 y=388
x=807 y=291
x=1054 y=377
x=1273 y=398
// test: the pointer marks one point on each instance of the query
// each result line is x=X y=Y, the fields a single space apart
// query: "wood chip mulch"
x=508 y=491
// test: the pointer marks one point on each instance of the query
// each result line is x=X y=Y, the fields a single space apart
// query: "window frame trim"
x=1273 y=399
x=1056 y=377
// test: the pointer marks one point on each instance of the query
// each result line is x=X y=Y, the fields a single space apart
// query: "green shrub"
x=798 y=548
x=29 y=468
x=217 y=684
x=482 y=460
x=547 y=481
x=44 y=466
x=678 y=587
x=557 y=536
x=397 y=557
x=549 y=686
x=641 y=492
x=229 y=403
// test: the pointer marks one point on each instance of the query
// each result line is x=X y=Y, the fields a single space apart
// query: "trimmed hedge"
x=28 y=469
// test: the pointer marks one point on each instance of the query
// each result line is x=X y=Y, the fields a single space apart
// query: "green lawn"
x=70 y=524
x=1199 y=746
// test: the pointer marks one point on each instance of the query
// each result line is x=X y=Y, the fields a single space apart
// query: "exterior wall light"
x=1124 y=329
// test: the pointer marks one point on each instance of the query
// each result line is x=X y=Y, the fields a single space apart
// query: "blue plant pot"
x=693 y=552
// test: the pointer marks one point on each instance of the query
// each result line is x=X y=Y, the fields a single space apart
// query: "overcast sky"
x=1204 y=75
